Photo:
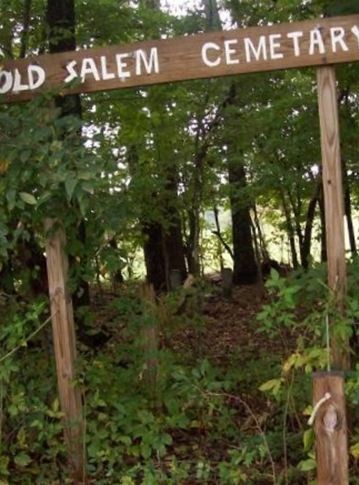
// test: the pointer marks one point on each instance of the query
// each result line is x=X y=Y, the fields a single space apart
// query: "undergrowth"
x=204 y=423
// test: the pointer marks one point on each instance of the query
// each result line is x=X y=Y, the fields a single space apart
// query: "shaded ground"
x=207 y=325
x=229 y=327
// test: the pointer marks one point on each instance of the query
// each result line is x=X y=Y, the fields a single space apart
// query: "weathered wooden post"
x=333 y=200
x=330 y=428
x=64 y=340
x=331 y=424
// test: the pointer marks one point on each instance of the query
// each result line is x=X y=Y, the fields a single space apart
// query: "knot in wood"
x=331 y=419
x=58 y=292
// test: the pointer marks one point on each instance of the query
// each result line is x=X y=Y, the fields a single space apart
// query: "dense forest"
x=194 y=218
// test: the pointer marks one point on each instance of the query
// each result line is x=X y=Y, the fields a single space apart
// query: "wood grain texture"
x=64 y=346
x=331 y=429
x=181 y=58
x=333 y=199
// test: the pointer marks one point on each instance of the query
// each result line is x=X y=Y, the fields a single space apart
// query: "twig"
x=226 y=246
x=24 y=343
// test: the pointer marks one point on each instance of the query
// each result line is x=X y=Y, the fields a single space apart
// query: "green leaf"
x=308 y=439
x=272 y=385
x=4 y=464
x=83 y=204
x=307 y=465
x=25 y=155
x=88 y=187
x=85 y=175
x=354 y=451
x=28 y=198
x=11 y=198
x=70 y=184
x=22 y=459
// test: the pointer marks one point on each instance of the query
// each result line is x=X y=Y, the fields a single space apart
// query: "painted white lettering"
x=122 y=65
x=37 y=76
x=106 y=75
x=150 y=64
x=316 y=42
x=274 y=45
x=207 y=47
x=89 y=67
x=230 y=51
x=258 y=52
x=6 y=81
x=295 y=36
x=338 y=36
x=355 y=31
x=70 y=68
x=18 y=87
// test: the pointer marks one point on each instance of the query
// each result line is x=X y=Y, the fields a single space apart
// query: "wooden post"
x=65 y=347
x=333 y=201
x=330 y=429
x=330 y=424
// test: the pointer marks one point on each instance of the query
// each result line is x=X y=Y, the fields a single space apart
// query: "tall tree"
x=61 y=23
x=163 y=245
x=245 y=269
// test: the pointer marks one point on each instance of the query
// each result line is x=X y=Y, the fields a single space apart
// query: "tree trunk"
x=218 y=233
x=174 y=248
x=192 y=249
x=193 y=242
x=117 y=276
x=307 y=240
x=196 y=188
x=25 y=29
x=163 y=242
x=296 y=210
x=174 y=252
x=163 y=247
x=348 y=210
x=212 y=14
x=61 y=23
x=263 y=250
x=245 y=269
x=6 y=32
x=290 y=231
x=154 y=258
x=60 y=17
x=164 y=252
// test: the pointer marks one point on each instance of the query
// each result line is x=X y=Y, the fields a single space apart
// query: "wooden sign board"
x=279 y=46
